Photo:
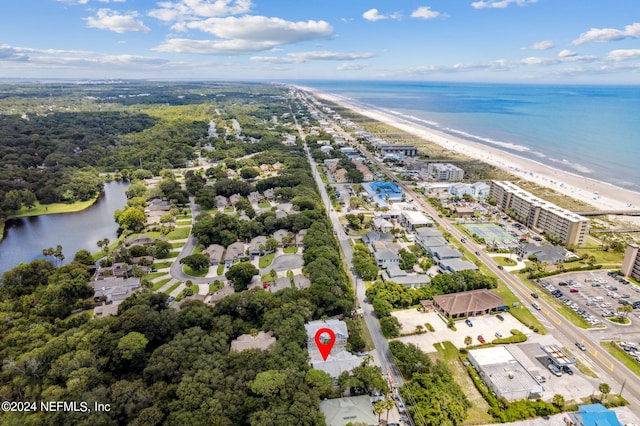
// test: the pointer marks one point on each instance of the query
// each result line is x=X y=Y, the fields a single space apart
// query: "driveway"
x=284 y=263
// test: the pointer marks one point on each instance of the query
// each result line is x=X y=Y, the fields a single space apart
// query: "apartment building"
x=631 y=263
x=445 y=171
x=398 y=150
x=540 y=215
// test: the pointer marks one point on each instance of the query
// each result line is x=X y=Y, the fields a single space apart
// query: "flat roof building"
x=413 y=220
x=540 y=215
x=398 y=150
x=445 y=171
x=504 y=374
x=631 y=263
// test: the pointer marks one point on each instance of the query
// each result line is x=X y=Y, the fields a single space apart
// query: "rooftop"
x=260 y=341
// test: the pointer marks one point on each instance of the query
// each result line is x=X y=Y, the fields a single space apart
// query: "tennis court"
x=489 y=232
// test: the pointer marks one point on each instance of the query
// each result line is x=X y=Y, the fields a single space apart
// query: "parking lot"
x=595 y=296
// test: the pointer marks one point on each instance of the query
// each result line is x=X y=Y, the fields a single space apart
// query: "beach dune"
x=601 y=195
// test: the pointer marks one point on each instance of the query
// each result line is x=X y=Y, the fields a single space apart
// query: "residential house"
x=215 y=253
x=337 y=326
x=257 y=246
x=340 y=175
x=280 y=283
x=445 y=252
x=413 y=220
x=269 y=194
x=382 y=225
x=456 y=265
x=394 y=273
x=221 y=202
x=234 y=251
x=373 y=236
x=301 y=282
x=234 y=199
x=300 y=237
x=254 y=197
x=114 y=290
x=261 y=341
x=385 y=256
x=280 y=235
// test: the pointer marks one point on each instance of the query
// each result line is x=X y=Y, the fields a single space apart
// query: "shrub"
x=430 y=327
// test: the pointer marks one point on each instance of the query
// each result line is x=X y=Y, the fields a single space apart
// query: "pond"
x=24 y=238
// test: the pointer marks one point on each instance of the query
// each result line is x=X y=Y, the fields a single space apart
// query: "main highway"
x=560 y=327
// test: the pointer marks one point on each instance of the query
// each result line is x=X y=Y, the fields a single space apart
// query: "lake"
x=24 y=238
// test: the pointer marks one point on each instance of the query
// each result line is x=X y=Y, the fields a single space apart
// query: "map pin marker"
x=325 y=345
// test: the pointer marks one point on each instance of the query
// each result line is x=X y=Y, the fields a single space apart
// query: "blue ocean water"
x=593 y=131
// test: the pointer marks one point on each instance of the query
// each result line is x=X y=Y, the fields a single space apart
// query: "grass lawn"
x=264 y=205
x=178 y=234
x=521 y=313
x=183 y=223
x=266 y=260
x=154 y=275
x=603 y=257
x=220 y=269
x=505 y=261
x=40 y=209
x=160 y=265
x=289 y=250
x=197 y=273
x=364 y=331
x=213 y=287
x=159 y=284
x=477 y=414
x=173 y=287
x=177 y=245
x=268 y=278
x=621 y=355
x=173 y=254
x=195 y=288
x=197 y=249
x=183 y=216
x=229 y=209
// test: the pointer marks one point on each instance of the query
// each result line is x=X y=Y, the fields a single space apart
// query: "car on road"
x=581 y=346
x=536 y=306
x=481 y=339
x=468 y=322
x=554 y=370
x=534 y=295
x=540 y=379
x=500 y=267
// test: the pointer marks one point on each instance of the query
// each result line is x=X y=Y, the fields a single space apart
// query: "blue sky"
x=541 y=41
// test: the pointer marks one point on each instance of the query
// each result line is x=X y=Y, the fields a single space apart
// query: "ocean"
x=592 y=131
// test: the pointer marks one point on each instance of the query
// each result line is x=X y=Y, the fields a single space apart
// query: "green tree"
x=84 y=256
x=132 y=218
x=132 y=345
x=196 y=261
x=604 y=389
x=268 y=383
x=468 y=340
x=241 y=275
x=558 y=400
x=321 y=381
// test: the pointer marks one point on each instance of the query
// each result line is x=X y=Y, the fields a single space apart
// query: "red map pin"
x=324 y=345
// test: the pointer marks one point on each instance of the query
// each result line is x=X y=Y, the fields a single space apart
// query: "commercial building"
x=445 y=171
x=504 y=374
x=468 y=303
x=540 y=215
x=593 y=415
x=413 y=220
x=631 y=263
x=478 y=190
x=398 y=150
x=543 y=254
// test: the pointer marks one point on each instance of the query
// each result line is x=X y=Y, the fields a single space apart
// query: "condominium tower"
x=540 y=215
x=631 y=263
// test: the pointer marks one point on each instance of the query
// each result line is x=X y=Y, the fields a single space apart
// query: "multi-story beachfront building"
x=540 y=215
x=445 y=171
x=398 y=150
x=631 y=263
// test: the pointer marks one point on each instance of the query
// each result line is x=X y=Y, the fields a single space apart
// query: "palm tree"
x=468 y=340
x=388 y=404
x=378 y=407
x=558 y=400
x=604 y=388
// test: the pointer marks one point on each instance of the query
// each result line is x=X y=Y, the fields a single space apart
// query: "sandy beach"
x=601 y=195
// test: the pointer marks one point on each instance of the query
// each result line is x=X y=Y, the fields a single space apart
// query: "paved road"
x=383 y=355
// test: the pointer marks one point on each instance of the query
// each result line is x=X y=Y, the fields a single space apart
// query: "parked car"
x=501 y=318
x=540 y=379
x=481 y=339
x=468 y=322
x=581 y=346
x=554 y=370
x=498 y=335
x=566 y=369
x=573 y=290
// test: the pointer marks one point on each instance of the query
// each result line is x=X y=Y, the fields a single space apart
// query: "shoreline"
x=601 y=195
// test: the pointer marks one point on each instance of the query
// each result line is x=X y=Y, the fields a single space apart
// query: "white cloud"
x=565 y=53
x=608 y=34
x=623 y=54
x=541 y=45
x=301 y=57
x=193 y=9
x=107 y=19
x=374 y=15
x=350 y=66
x=499 y=4
x=425 y=12
x=245 y=35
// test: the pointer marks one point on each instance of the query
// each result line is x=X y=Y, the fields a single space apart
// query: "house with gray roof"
x=234 y=251
x=353 y=409
x=301 y=282
x=221 y=202
x=336 y=363
x=397 y=275
x=281 y=283
x=456 y=265
x=215 y=253
x=234 y=199
x=431 y=243
x=261 y=341
x=257 y=246
x=382 y=225
x=386 y=257
x=373 y=236
x=445 y=252
x=300 y=237
x=428 y=231
x=337 y=326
